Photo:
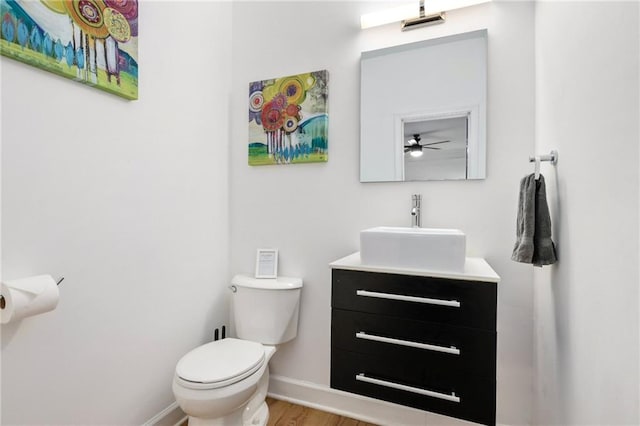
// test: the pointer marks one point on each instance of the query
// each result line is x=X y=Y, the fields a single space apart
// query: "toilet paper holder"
x=3 y=303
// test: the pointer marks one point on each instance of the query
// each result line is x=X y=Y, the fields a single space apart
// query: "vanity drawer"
x=457 y=302
x=459 y=350
x=418 y=385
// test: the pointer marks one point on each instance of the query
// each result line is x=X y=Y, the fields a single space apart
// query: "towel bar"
x=552 y=157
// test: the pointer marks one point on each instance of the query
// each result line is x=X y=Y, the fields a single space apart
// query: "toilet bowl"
x=215 y=383
x=225 y=382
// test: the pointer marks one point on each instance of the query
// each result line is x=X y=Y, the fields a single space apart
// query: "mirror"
x=423 y=110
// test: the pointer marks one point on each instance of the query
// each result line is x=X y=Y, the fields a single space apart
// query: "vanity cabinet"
x=422 y=340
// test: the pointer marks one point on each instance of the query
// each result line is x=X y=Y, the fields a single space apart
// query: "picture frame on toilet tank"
x=267 y=263
x=288 y=120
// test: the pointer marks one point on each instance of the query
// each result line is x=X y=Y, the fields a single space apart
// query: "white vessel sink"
x=413 y=248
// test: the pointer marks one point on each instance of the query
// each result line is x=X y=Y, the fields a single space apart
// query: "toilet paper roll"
x=27 y=296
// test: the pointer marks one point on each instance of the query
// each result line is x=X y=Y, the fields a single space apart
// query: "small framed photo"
x=267 y=263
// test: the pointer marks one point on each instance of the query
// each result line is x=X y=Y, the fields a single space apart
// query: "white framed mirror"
x=433 y=91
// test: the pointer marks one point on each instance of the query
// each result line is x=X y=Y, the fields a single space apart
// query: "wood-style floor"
x=283 y=413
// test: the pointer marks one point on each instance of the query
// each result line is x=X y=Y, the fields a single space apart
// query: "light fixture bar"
x=432 y=9
x=422 y=21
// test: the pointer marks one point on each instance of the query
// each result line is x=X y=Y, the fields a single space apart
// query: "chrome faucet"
x=416 y=221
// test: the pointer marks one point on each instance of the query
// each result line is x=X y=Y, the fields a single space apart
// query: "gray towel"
x=533 y=232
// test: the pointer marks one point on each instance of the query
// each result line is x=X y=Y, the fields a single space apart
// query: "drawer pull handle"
x=449 y=397
x=450 y=350
x=402 y=297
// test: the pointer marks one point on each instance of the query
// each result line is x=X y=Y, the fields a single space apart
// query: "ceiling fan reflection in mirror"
x=414 y=147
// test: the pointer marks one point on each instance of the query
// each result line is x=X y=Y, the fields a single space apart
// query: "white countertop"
x=475 y=269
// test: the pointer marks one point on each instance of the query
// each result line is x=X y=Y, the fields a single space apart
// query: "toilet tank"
x=266 y=310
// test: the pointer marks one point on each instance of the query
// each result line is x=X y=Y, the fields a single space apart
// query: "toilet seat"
x=220 y=363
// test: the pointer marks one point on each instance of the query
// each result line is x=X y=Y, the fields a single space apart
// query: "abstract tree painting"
x=288 y=119
x=91 y=41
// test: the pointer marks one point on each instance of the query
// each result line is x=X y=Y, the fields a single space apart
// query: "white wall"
x=312 y=213
x=586 y=307
x=127 y=201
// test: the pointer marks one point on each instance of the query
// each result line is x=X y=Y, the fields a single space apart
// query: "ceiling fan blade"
x=435 y=143
x=406 y=150
x=431 y=147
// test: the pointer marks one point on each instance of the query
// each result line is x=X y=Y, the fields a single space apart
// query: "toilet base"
x=233 y=419
x=261 y=417
x=256 y=413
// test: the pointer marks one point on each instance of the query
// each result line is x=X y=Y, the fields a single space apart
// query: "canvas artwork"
x=288 y=119
x=91 y=41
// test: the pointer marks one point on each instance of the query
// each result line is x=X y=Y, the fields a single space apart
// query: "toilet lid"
x=221 y=363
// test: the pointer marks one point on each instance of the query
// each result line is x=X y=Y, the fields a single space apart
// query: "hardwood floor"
x=283 y=413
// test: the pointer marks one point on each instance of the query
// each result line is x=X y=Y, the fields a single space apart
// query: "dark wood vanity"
x=417 y=338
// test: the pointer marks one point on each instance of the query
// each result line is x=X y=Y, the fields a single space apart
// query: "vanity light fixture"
x=431 y=12
x=422 y=20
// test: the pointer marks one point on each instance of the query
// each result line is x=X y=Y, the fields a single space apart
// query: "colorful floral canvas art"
x=288 y=119
x=91 y=41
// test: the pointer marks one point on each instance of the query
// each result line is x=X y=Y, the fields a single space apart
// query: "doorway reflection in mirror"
x=435 y=149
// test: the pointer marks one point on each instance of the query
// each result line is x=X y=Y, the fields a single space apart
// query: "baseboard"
x=170 y=416
x=343 y=403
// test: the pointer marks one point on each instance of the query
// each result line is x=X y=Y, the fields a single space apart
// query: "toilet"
x=225 y=382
